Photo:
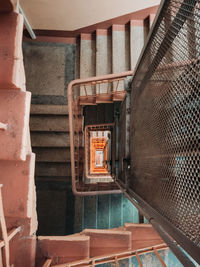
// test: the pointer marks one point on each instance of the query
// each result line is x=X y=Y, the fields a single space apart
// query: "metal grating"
x=165 y=118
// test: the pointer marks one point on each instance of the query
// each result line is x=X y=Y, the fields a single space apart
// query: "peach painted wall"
x=74 y=14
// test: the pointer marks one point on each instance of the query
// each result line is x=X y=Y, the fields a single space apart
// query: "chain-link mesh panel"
x=165 y=118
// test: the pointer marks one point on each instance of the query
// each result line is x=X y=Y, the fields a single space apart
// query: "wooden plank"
x=49 y=123
x=53 y=154
x=49 y=109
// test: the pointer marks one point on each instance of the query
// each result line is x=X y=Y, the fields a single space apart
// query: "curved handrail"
x=70 y=88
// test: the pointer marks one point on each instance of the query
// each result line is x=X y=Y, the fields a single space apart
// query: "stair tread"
x=62 y=249
x=87 y=59
x=49 y=109
x=113 y=231
x=75 y=237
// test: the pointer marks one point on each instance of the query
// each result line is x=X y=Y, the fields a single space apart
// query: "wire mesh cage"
x=165 y=118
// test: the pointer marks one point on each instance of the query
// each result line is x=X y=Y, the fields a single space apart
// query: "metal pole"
x=26 y=22
x=168 y=240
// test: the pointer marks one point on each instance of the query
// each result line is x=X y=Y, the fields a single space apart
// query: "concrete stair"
x=105 y=51
x=51 y=144
x=142 y=235
x=17 y=162
x=94 y=243
x=62 y=249
x=112 y=50
x=107 y=241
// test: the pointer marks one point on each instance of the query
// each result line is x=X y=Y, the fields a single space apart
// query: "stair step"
x=52 y=123
x=49 y=109
x=62 y=249
x=43 y=139
x=143 y=235
x=107 y=241
x=23 y=251
x=138 y=34
x=87 y=59
x=120 y=52
x=52 y=154
x=103 y=56
x=53 y=169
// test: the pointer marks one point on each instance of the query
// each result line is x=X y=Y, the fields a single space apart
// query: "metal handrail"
x=72 y=102
x=164 y=60
x=116 y=257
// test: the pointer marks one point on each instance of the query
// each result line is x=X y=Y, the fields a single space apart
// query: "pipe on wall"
x=26 y=22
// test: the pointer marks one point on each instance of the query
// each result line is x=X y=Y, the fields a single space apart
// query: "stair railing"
x=76 y=99
x=164 y=144
x=117 y=257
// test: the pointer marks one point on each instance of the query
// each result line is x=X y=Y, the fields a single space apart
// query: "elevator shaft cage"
x=165 y=123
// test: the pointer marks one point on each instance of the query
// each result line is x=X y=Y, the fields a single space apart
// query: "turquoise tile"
x=116 y=215
x=103 y=209
x=90 y=218
x=130 y=213
x=125 y=263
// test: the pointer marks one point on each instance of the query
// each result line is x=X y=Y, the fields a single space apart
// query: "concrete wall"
x=49 y=67
x=71 y=15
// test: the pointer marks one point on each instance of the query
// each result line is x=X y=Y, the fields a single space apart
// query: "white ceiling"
x=70 y=15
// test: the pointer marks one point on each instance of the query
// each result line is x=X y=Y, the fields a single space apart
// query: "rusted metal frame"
x=87 y=156
x=159 y=257
x=1 y=259
x=85 y=89
x=71 y=125
x=117 y=85
x=47 y=263
x=116 y=261
x=174 y=65
x=112 y=258
x=11 y=234
x=138 y=259
x=4 y=231
x=165 y=229
x=92 y=85
x=166 y=41
x=109 y=80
